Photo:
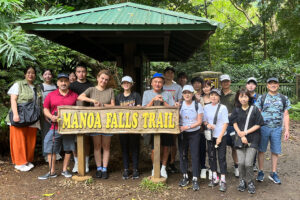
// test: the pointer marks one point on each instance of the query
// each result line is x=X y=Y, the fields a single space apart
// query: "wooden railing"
x=288 y=89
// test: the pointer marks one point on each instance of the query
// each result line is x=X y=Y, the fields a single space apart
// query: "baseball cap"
x=158 y=75
x=215 y=91
x=224 y=77
x=273 y=79
x=252 y=79
x=62 y=75
x=169 y=68
x=127 y=79
x=188 y=88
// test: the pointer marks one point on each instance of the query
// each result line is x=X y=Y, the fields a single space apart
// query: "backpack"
x=283 y=100
x=196 y=105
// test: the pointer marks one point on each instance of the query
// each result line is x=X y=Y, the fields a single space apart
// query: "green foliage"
x=147 y=184
x=295 y=112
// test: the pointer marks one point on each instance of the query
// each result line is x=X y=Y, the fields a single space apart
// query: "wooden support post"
x=156 y=160
x=81 y=154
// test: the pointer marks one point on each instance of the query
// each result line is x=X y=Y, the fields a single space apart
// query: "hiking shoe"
x=98 y=174
x=23 y=168
x=183 y=182
x=203 y=173
x=163 y=173
x=30 y=165
x=242 y=186
x=173 y=169
x=260 y=176
x=105 y=175
x=135 y=174
x=251 y=188
x=255 y=169
x=126 y=174
x=274 y=177
x=47 y=176
x=66 y=174
x=214 y=182
x=223 y=187
x=195 y=185
x=209 y=174
x=75 y=168
x=236 y=172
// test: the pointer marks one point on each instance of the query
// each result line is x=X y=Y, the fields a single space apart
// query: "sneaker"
x=251 y=188
x=242 y=186
x=209 y=174
x=223 y=187
x=47 y=176
x=184 y=182
x=125 y=174
x=87 y=169
x=255 y=169
x=236 y=172
x=66 y=174
x=135 y=174
x=152 y=172
x=214 y=182
x=260 y=176
x=98 y=174
x=75 y=168
x=274 y=177
x=195 y=185
x=105 y=175
x=173 y=169
x=23 y=168
x=30 y=165
x=163 y=173
x=203 y=173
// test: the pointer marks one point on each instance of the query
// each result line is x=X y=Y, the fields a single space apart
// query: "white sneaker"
x=209 y=174
x=30 y=165
x=236 y=172
x=163 y=172
x=22 y=168
x=87 y=169
x=152 y=173
x=203 y=173
x=75 y=168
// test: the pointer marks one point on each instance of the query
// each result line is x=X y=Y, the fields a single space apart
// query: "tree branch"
x=241 y=10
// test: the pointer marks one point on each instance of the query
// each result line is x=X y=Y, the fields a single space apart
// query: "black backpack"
x=283 y=100
x=196 y=106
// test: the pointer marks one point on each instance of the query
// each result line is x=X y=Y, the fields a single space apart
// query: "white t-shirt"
x=209 y=114
x=188 y=115
x=14 y=89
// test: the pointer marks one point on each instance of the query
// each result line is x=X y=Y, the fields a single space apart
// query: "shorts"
x=65 y=141
x=272 y=134
x=229 y=140
x=103 y=134
x=165 y=140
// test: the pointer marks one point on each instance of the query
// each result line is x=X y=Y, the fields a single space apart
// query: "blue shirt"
x=272 y=110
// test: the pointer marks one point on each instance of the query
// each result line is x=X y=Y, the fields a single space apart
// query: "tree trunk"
x=264 y=32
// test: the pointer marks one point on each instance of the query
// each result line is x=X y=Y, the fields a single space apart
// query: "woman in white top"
x=191 y=113
x=217 y=143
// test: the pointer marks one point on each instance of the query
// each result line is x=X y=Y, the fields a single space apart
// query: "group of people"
x=210 y=120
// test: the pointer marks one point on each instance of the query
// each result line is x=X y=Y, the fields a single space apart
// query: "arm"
x=224 y=128
x=14 y=108
x=286 y=121
x=83 y=97
x=48 y=114
x=112 y=103
x=194 y=125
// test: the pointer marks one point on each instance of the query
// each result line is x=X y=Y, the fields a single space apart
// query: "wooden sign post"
x=118 y=120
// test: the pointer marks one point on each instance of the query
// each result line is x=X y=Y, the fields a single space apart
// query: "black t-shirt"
x=239 y=116
x=79 y=88
x=133 y=99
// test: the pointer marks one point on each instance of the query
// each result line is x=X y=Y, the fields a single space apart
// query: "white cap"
x=127 y=79
x=224 y=77
x=188 y=88
x=252 y=79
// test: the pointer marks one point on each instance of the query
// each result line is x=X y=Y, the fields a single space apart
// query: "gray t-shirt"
x=209 y=115
x=47 y=89
x=175 y=90
x=150 y=94
x=188 y=115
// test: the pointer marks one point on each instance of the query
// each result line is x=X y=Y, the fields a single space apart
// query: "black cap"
x=273 y=79
x=169 y=68
x=215 y=90
x=62 y=75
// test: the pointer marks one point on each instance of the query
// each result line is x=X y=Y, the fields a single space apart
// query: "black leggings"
x=212 y=155
x=130 y=142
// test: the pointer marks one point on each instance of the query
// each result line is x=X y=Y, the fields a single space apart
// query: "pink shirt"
x=55 y=99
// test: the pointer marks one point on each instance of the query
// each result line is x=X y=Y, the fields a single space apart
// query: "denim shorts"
x=272 y=134
x=228 y=137
x=65 y=141
x=103 y=134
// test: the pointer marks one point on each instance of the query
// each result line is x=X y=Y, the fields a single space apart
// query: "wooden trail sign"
x=118 y=120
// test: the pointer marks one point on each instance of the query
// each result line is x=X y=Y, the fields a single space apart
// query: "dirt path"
x=20 y=185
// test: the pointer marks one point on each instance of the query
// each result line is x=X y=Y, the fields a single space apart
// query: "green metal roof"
x=102 y=33
x=125 y=16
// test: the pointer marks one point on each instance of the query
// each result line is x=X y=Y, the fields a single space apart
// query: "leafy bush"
x=295 y=112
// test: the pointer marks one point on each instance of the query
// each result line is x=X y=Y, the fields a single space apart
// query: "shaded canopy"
x=102 y=33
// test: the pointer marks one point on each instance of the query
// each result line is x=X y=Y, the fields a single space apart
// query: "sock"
x=215 y=176
x=223 y=178
x=163 y=167
x=104 y=169
x=185 y=176
x=75 y=159
x=236 y=165
x=99 y=168
x=195 y=178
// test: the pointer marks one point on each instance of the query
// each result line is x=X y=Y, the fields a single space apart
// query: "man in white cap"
x=227 y=99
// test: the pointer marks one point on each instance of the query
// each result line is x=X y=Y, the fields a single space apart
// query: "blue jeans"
x=272 y=134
